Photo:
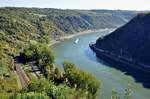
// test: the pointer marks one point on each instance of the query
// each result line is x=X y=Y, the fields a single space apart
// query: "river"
x=85 y=59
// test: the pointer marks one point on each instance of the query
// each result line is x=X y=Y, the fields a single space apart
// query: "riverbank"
x=77 y=34
x=102 y=53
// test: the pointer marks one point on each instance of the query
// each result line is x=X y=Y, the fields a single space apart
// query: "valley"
x=45 y=53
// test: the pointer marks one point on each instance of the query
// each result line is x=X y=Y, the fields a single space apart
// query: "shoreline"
x=138 y=66
x=52 y=42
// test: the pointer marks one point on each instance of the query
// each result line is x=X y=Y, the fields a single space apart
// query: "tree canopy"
x=81 y=79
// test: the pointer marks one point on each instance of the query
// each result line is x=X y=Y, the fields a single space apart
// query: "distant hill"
x=131 y=41
x=19 y=25
x=70 y=21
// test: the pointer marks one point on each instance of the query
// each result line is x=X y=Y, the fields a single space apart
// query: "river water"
x=85 y=59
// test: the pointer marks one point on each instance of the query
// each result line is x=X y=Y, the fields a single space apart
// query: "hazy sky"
x=80 y=4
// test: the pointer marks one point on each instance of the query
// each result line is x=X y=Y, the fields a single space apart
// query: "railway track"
x=24 y=80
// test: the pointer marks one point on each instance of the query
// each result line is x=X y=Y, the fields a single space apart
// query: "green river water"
x=85 y=59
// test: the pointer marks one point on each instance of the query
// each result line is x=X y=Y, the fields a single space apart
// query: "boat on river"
x=76 y=41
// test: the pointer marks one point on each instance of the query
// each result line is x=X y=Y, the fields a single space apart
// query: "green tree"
x=40 y=85
x=40 y=53
x=81 y=79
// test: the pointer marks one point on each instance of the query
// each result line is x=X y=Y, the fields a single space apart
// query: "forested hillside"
x=18 y=26
x=131 y=41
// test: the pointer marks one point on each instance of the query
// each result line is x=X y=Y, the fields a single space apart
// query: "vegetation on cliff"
x=131 y=41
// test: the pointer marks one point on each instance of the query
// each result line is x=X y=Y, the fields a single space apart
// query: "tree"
x=40 y=85
x=40 y=53
x=28 y=54
x=81 y=79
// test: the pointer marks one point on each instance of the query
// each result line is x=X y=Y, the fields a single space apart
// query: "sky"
x=80 y=4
